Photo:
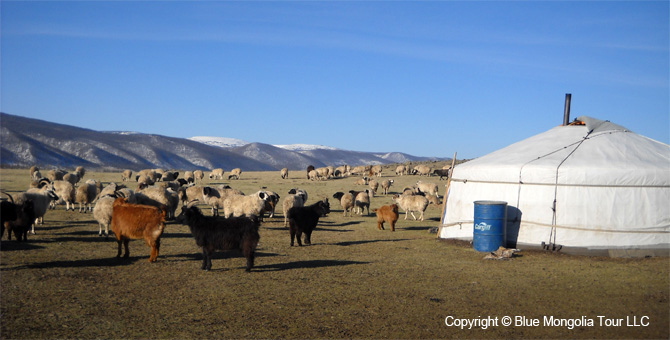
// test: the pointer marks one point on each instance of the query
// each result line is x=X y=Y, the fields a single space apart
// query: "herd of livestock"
x=142 y=213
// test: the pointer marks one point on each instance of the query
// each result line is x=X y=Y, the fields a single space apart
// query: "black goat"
x=25 y=217
x=212 y=233
x=304 y=220
x=441 y=173
x=8 y=212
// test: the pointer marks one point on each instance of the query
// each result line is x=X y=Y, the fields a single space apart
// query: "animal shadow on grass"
x=218 y=255
x=415 y=228
x=196 y=258
x=276 y=228
x=86 y=236
x=104 y=262
x=367 y=241
x=15 y=245
x=333 y=224
x=304 y=264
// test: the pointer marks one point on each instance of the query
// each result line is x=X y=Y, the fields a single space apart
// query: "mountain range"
x=25 y=142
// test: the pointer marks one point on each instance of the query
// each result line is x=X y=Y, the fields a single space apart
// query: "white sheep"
x=86 y=194
x=189 y=176
x=314 y=175
x=151 y=174
x=235 y=173
x=65 y=192
x=410 y=191
x=347 y=202
x=198 y=175
x=102 y=212
x=223 y=192
x=145 y=179
x=190 y=193
x=341 y=171
x=427 y=188
x=168 y=176
x=241 y=205
x=205 y=195
x=386 y=184
x=360 y=170
x=432 y=199
x=41 y=200
x=374 y=185
x=80 y=171
x=159 y=173
x=216 y=174
x=110 y=189
x=401 y=170
x=213 y=197
x=284 y=173
x=421 y=170
x=128 y=194
x=157 y=197
x=126 y=175
x=174 y=185
x=324 y=172
x=362 y=201
x=296 y=198
x=72 y=177
x=376 y=170
x=35 y=173
x=361 y=181
x=411 y=204
x=56 y=175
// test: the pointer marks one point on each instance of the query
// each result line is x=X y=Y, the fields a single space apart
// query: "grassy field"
x=353 y=282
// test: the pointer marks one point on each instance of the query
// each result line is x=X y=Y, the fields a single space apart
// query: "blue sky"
x=428 y=78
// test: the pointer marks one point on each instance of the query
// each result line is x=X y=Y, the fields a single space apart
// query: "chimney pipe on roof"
x=566 y=112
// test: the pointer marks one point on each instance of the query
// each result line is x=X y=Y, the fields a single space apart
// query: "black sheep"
x=304 y=220
x=212 y=233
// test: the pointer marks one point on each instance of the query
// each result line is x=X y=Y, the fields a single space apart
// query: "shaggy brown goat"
x=211 y=234
x=387 y=213
x=304 y=220
x=135 y=221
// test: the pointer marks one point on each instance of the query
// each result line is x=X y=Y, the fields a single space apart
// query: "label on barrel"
x=483 y=226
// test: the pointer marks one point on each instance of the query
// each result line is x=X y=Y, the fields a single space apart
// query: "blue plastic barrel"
x=489 y=226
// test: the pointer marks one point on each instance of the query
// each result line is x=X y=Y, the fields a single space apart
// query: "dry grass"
x=353 y=282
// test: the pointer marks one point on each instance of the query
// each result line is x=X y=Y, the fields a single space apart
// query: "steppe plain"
x=354 y=281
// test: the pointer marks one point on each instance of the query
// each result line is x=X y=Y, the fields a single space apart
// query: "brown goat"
x=136 y=221
x=387 y=213
x=212 y=233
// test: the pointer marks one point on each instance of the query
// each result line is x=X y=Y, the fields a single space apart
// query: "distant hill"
x=317 y=155
x=25 y=142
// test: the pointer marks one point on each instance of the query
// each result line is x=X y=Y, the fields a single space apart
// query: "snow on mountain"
x=25 y=142
x=222 y=142
x=305 y=147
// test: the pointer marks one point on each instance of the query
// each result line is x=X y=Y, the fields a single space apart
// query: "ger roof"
x=596 y=152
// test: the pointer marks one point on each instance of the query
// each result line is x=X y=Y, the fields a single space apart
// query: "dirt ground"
x=353 y=282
